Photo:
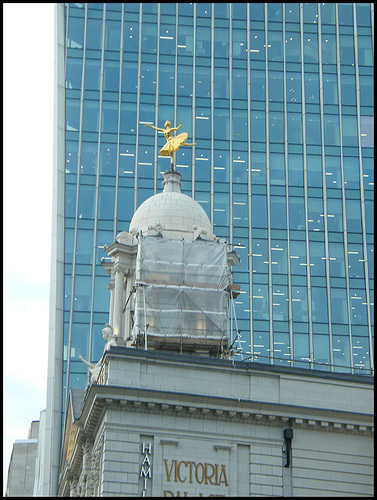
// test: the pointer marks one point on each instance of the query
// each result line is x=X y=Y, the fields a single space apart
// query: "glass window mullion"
x=119 y=116
x=97 y=176
x=268 y=180
x=345 y=232
x=212 y=182
x=193 y=163
x=66 y=37
x=138 y=107
x=290 y=315
x=176 y=73
x=303 y=114
x=362 y=195
x=372 y=25
x=193 y=104
x=157 y=103
x=230 y=128
x=249 y=198
x=324 y=186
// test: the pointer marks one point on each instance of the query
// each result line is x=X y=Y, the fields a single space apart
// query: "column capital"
x=118 y=267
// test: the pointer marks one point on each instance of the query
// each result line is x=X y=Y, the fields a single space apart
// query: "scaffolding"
x=181 y=292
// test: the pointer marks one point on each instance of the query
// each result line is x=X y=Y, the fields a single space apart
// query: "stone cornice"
x=127 y=250
x=217 y=408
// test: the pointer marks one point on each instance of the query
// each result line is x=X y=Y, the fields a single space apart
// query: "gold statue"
x=173 y=143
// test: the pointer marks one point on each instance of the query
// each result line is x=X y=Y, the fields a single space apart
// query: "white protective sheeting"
x=181 y=288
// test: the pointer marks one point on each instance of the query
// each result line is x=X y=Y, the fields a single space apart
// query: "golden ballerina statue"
x=173 y=143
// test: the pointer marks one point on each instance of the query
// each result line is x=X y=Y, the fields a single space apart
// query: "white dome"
x=172 y=213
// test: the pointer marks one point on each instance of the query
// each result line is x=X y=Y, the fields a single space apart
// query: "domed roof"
x=172 y=213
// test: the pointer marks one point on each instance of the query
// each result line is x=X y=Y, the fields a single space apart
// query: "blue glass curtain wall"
x=278 y=98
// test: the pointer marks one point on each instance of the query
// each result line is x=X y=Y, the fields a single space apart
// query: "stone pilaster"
x=118 y=299
x=111 y=286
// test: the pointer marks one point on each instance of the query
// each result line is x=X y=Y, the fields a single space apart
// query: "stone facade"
x=162 y=424
x=21 y=472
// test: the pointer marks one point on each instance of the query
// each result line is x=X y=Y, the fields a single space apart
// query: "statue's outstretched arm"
x=177 y=128
x=155 y=128
x=89 y=365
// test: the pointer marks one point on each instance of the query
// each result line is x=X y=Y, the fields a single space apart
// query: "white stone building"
x=22 y=464
x=214 y=427
x=171 y=413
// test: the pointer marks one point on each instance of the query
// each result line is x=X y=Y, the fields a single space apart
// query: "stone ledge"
x=200 y=411
x=162 y=357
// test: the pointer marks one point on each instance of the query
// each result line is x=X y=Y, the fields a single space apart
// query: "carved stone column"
x=110 y=286
x=86 y=457
x=86 y=466
x=93 y=477
x=118 y=299
x=73 y=488
x=127 y=327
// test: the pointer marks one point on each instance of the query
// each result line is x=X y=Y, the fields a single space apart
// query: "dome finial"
x=172 y=181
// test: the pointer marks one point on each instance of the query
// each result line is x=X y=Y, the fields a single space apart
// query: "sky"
x=28 y=103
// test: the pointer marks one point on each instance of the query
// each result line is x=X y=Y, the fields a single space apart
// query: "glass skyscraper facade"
x=279 y=100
